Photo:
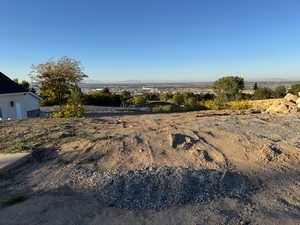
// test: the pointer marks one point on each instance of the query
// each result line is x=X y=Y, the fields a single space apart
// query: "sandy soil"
x=73 y=157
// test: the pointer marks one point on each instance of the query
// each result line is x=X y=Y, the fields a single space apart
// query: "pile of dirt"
x=161 y=187
x=289 y=104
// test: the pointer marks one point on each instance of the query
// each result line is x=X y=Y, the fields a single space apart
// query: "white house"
x=15 y=102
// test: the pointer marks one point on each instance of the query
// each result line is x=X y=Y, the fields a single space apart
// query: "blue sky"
x=118 y=40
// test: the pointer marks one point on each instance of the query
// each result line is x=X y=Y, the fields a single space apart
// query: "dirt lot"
x=217 y=167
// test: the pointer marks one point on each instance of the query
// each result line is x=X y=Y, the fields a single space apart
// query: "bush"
x=139 y=100
x=263 y=93
x=99 y=98
x=215 y=104
x=240 y=105
x=164 y=109
x=280 y=92
x=165 y=97
x=69 y=111
x=178 y=99
x=295 y=89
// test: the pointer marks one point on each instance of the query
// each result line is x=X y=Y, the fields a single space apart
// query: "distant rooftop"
x=8 y=86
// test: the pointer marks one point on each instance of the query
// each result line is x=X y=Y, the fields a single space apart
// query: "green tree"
x=178 y=99
x=24 y=84
x=57 y=78
x=139 y=99
x=165 y=97
x=263 y=93
x=190 y=101
x=295 y=89
x=227 y=88
x=106 y=91
x=279 y=91
x=76 y=96
x=125 y=96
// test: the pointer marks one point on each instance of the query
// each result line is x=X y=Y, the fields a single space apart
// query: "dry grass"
x=261 y=104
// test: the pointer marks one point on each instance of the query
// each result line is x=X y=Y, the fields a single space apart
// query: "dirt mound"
x=289 y=104
x=161 y=187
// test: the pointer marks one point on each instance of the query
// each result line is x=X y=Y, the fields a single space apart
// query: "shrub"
x=178 y=99
x=280 y=92
x=139 y=100
x=164 y=109
x=165 y=97
x=295 y=89
x=99 y=98
x=215 y=104
x=263 y=93
x=240 y=105
x=69 y=111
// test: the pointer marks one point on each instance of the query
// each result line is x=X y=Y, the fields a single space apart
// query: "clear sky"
x=118 y=40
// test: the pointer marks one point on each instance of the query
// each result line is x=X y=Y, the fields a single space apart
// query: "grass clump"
x=20 y=146
x=175 y=108
x=239 y=105
x=216 y=104
x=96 y=139
x=63 y=161
x=88 y=161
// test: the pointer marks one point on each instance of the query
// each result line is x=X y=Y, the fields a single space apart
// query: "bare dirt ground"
x=217 y=167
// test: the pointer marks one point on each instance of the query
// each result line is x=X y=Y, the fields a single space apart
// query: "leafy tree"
x=190 y=101
x=125 y=96
x=295 y=89
x=152 y=96
x=280 y=91
x=263 y=93
x=57 y=78
x=139 y=99
x=101 y=99
x=165 y=97
x=178 y=99
x=106 y=91
x=76 y=96
x=227 y=88
x=24 y=84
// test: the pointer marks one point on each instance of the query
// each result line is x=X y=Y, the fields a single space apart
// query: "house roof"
x=8 y=86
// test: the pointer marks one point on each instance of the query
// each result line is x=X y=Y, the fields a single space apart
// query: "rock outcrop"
x=289 y=104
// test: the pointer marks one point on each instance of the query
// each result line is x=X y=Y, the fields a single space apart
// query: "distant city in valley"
x=141 y=87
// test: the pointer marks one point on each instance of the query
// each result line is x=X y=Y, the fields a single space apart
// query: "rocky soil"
x=289 y=104
x=216 y=167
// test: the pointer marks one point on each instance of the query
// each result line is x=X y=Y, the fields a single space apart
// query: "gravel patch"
x=160 y=187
